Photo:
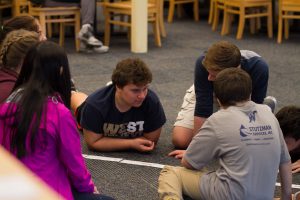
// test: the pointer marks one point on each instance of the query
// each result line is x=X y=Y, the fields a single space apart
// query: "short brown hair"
x=232 y=85
x=289 y=120
x=131 y=70
x=222 y=55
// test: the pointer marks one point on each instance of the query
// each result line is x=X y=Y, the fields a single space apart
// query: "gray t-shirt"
x=248 y=143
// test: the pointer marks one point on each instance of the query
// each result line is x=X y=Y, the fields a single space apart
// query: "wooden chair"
x=20 y=7
x=247 y=9
x=124 y=8
x=61 y=15
x=288 y=9
x=172 y=4
x=211 y=11
x=218 y=7
x=5 y=4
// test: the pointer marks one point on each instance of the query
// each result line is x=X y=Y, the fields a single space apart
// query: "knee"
x=181 y=137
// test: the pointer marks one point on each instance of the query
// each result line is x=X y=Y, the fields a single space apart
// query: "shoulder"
x=199 y=61
x=152 y=95
x=253 y=63
x=251 y=59
x=8 y=75
x=57 y=108
x=151 y=99
x=101 y=96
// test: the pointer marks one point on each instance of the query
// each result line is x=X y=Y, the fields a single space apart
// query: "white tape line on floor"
x=146 y=164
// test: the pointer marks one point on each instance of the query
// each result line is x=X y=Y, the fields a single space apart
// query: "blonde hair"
x=15 y=46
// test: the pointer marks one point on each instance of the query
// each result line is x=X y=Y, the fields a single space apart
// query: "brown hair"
x=289 y=120
x=26 y=22
x=131 y=70
x=222 y=55
x=232 y=85
x=15 y=46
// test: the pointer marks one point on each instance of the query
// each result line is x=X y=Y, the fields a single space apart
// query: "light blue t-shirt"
x=248 y=143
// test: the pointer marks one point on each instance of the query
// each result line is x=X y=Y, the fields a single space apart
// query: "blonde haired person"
x=12 y=53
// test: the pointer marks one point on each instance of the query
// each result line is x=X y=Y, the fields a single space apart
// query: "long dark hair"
x=45 y=73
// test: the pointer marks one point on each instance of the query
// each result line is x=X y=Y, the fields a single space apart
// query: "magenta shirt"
x=57 y=159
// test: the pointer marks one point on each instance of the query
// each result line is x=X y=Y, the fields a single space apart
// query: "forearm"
x=286 y=180
x=198 y=122
x=111 y=144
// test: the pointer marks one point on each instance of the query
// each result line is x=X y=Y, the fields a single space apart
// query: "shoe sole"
x=82 y=39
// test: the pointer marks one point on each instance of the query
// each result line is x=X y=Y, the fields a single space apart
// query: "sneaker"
x=86 y=36
x=84 y=48
x=271 y=102
x=101 y=49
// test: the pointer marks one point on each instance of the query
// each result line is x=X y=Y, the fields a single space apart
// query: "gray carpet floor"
x=173 y=67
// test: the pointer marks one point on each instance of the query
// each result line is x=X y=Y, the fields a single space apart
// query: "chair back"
x=20 y=7
x=60 y=15
x=289 y=5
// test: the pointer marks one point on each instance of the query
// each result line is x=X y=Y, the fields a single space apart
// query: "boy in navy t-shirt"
x=125 y=114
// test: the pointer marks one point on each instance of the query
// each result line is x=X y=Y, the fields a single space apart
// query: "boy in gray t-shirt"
x=247 y=141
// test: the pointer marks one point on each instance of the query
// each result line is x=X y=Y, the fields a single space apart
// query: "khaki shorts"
x=175 y=181
x=185 y=117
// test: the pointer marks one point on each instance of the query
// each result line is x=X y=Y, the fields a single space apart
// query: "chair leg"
x=42 y=19
x=77 y=29
x=279 y=36
x=49 y=30
x=196 y=10
x=225 y=22
x=179 y=10
x=270 y=21
x=161 y=19
x=61 y=34
x=241 y=25
x=252 y=25
x=171 y=11
x=211 y=12
x=107 y=28
x=156 y=32
x=258 y=23
x=286 y=27
x=216 y=18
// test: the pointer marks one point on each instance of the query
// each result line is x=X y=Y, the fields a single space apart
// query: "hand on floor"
x=177 y=154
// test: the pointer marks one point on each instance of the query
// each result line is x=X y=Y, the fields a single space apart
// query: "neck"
x=121 y=105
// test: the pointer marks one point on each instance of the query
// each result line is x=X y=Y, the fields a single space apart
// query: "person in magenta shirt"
x=38 y=127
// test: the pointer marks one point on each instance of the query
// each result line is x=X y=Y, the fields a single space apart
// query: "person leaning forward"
x=198 y=101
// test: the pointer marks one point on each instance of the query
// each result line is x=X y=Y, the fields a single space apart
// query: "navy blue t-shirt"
x=251 y=62
x=100 y=115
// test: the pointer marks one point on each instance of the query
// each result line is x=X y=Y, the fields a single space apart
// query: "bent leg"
x=77 y=98
x=184 y=125
x=175 y=181
x=88 y=10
